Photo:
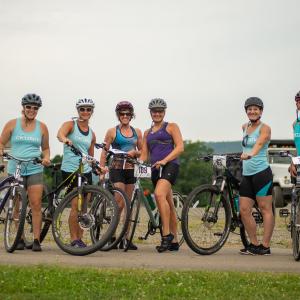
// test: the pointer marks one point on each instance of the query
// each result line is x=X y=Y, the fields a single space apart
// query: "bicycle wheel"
x=15 y=219
x=206 y=219
x=295 y=231
x=178 y=203
x=124 y=214
x=133 y=219
x=72 y=231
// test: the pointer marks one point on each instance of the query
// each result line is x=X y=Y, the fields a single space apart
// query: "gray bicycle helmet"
x=254 y=101
x=85 y=102
x=297 y=97
x=157 y=103
x=32 y=99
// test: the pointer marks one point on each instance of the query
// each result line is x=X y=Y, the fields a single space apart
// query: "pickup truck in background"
x=282 y=185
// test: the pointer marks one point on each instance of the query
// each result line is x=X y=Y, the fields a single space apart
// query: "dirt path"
x=146 y=257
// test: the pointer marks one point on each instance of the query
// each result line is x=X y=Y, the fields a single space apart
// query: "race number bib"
x=296 y=160
x=142 y=171
x=219 y=160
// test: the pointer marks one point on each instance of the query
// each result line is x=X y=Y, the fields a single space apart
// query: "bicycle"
x=14 y=203
x=123 y=203
x=210 y=211
x=142 y=170
x=294 y=222
x=86 y=208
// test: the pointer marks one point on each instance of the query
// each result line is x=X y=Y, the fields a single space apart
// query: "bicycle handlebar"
x=35 y=160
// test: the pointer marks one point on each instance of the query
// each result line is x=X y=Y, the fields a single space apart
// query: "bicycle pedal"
x=284 y=213
x=257 y=218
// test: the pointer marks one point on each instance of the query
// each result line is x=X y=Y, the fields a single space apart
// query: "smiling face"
x=157 y=114
x=85 y=112
x=125 y=116
x=30 y=111
x=298 y=103
x=254 y=113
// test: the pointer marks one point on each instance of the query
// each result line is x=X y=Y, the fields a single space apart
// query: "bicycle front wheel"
x=73 y=231
x=15 y=219
x=206 y=219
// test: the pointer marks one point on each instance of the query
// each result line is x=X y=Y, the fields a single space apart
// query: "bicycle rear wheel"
x=99 y=210
x=206 y=219
x=295 y=231
x=15 y=219
x=178 y=203
x=133 y=219
x=124 y=213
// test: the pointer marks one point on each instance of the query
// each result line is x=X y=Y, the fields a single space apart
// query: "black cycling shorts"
x=74 y=183
x=125 y=176
x=257 y=185
x=169 y=172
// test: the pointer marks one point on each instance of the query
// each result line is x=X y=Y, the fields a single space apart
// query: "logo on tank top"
x=297 y=134
x=27 y=138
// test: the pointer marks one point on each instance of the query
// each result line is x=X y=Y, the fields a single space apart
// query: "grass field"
x=74 y=283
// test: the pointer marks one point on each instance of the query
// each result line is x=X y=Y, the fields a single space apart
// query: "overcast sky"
x=203 y=57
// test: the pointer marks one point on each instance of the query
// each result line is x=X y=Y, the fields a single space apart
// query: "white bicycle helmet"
x=85 y=102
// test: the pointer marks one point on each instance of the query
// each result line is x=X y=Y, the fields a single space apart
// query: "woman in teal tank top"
x=126 y=138
x=257 y=178
x=29 y=138
x=296 y=133
x=79 y=134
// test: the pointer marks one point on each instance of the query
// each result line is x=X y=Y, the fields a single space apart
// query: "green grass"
x=74 y=283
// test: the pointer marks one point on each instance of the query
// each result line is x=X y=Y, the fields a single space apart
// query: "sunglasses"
x=123 y=114
x=245 y=140
x=158 y=111
x=87 y=109
x=36 y=108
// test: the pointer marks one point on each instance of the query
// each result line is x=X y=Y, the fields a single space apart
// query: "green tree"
x=48 y=176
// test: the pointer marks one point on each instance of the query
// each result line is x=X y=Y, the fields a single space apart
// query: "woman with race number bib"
x=163 y=141
x=79 y=134
x=126 y=138
x=257 y=178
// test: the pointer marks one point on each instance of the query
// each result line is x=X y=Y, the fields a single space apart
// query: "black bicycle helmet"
x=123 y=105
x=32 y=99
x=254 y=101
x=157 y=103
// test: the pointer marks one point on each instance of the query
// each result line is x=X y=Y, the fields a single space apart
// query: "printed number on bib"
x=142 y=171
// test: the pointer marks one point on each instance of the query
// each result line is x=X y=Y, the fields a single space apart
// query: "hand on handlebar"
x=67 y=141
x=159 y=164
x=46 y=162
x=246 y=156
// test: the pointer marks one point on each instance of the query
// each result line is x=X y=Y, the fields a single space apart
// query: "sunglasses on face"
x=157 y=111
x=123 y=114
x=245 y=140
x=28 y=107
x=87 y=109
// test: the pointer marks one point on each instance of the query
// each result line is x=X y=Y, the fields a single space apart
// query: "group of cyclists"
x=161 y=144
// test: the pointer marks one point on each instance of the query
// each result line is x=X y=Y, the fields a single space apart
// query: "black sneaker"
x=125 y=243
x=244 y=251
x=166 y=242
x=264 y=250
x=174 y=247
x=253 y=249
x=20 y=245
x=36 y=246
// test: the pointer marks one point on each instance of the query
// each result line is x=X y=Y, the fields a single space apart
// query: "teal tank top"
x=70 y=162
x=296 y=128
x=26 y=145
x=124 y=143
x=258 y=162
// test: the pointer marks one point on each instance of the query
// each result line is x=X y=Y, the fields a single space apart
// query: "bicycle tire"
x=96 y=197
x=11 y=240
x=123 y=220
x=133 y=219
x=194 y=204
x=295 y=231
x=178 y=203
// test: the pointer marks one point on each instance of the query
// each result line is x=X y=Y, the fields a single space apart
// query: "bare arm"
x=109 y=137
x=144 y=151
x=64 y=131
x=6 y=134
x=45 y=145
x=92 y=147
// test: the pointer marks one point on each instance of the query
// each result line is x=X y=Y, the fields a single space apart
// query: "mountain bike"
x=210 y=211
x=14 y=202
x=88 y=209
x=294 y=221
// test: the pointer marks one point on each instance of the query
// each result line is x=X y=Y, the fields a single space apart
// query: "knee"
x=245 y=210
x=35 y=205
x=159 y=196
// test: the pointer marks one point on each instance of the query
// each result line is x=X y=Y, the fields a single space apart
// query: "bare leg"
x=173 y=216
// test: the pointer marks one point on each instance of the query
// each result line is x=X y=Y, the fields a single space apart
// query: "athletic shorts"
x=257 y=185
x=169 y=172
x=125 y=176
x=74 y=183
x=34 y=179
